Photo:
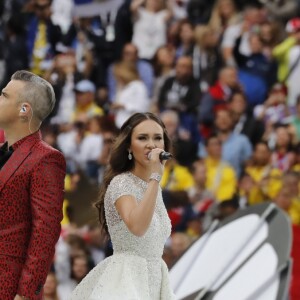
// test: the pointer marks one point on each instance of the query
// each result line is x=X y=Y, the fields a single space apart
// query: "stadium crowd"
x=222 y=74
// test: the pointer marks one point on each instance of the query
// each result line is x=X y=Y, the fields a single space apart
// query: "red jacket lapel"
x=22 y=149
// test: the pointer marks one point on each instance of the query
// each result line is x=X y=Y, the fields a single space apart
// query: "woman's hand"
x=156 y=165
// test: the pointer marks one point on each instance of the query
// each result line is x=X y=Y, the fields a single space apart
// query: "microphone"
x=165 y=155
x=162 y=155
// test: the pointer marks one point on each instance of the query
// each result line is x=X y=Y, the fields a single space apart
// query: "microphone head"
x=162 y=156
x=165 y=155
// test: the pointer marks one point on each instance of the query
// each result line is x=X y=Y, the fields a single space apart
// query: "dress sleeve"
x=120 y=186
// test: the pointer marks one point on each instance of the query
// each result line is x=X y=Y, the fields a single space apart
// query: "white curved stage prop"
x=245 y=257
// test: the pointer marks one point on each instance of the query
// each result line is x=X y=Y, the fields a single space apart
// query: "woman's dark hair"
x=89 y=264
x=119 y=162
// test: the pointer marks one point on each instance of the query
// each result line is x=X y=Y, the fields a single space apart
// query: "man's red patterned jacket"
x=31 y=197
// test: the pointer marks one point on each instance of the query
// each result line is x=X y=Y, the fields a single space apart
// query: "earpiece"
x=23 y=109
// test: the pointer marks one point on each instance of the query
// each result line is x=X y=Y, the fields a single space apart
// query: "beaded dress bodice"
x=151 y=245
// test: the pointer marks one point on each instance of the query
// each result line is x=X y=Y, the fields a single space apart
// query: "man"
x=85 y=105
x=236 y=147
x=221 y=178
x=42 y=37
x=267 y=179
x=181 y=92
x=217 y=97
x=31 y=188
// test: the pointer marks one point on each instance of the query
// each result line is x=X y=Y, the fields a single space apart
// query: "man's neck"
x=14 y=136
x=224 y=135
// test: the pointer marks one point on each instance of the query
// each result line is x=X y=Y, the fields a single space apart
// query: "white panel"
x=221 y=249
x=251 y=276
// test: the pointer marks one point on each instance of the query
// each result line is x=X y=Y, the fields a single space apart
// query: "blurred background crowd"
x=222 y=74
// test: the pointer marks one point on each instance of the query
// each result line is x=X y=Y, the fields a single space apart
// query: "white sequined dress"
x=136 y=270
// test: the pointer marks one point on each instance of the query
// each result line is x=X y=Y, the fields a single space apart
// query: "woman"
x=163 y=62
x=185 y=38
x=224 y=14
x=132 y=95
x=283 y=155
x=150 y=25
x=206 y=57
x=131 y=210
x=50 y=287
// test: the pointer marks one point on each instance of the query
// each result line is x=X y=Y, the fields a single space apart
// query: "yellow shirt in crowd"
x=294 y=211
x=176 y=178
x=220 y=179
x=39 y=48
x=267 y=190
x=88 y=112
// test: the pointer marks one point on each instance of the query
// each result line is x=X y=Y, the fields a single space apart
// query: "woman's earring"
x=129 y=155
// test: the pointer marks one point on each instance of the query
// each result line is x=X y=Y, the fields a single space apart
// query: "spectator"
x=176 y=177
x=282 y=156
x=86 y=37
x=200 y=197
x=199 y=11
x=123 y=28
x=14 y=52
x=236 y=148
x=252 y=17
x=246 y=190
x=109 y=133
x=291 y=179
x=63 y=75
x=145 y=71
x=184 y=40
x=179 y=8
x=85 y=105
x=266 y=178
x=221 y=179
x=50 y=287
x=184 y=139
x=244 y=122
x=150 y=26
x=296 y=164
x=218 y=96
x=179 y=243
x=295 y=123
x=81 y=265
x=226 y=208
x=288 y=56
x=70 y=246
x=96 y=242
x=43 y=37
x=274 y=109
x=69 y=143
x=180 y=92
x=91 y=148
x=270 y=33
x=224 y=14
x=62 y=14
x=163 y=63
x=284 y=199
x=280 y=10
x=256 y=71
x=132 y=93
x=206 y=58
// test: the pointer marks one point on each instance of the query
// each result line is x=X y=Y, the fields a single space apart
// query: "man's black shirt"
x=5 y=154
